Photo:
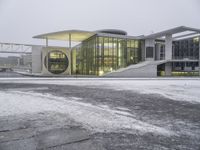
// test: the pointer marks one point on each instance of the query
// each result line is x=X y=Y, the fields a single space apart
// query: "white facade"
x=38 y=60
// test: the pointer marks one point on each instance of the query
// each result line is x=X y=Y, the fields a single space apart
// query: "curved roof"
x=75 y=35
x=112 y=31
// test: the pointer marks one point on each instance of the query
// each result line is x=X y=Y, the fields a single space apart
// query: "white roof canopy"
x=67 y=35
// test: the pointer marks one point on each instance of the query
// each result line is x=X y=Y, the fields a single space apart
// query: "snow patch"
x=94 y=118
x=181 y=89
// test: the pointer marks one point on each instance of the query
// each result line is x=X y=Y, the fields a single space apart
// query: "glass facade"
x=99 y=55
x=186 y=49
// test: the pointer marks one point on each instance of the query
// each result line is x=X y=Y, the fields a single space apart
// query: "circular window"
x=56 y=62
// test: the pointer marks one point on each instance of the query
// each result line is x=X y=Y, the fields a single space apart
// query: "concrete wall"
x=199 y=56
x=157 y=51
x=168 y=69
x=150 y=43
x=168 y=47
x=45 y=52
x=36 y=59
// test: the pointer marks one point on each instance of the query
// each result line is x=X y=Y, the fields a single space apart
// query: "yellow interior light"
x=101 y=72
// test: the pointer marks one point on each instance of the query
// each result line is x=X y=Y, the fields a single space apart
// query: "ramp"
x=143 y=69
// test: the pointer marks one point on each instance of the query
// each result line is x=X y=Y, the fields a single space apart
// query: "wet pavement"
x=47 y=130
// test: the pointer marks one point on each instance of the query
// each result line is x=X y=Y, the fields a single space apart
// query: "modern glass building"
x=113 y=53
x=185 y=57
x=187 y=50
x=101 y=54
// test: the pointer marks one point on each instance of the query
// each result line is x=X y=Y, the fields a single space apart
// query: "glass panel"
x=99 y=55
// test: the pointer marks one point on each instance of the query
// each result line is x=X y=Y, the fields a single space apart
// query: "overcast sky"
x=22 y=19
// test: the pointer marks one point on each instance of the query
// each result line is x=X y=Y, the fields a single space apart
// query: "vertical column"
x=70 y=51
x=37 y=60
x=168 y=47
x=168 y=54
x=157 y=51
x=143 y=51
x=18 y=62
x=70 y=42
x=168 y=69
x=199 y=55
x=47 y=42
x=149 y=49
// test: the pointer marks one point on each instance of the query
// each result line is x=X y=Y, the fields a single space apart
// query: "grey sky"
x=22 y=19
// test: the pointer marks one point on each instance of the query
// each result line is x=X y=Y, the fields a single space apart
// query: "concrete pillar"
x=143 y=50
x=157 y=51
x=47 y=42
x=150 y=43
x=168 y=47
x=70 y=50
x=199 y=55
x=168 y=69
x=18 y=62
x=37 y=59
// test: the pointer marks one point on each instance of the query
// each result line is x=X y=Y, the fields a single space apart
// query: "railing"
x=15 y=48
x=184 y=58
x=6 y=66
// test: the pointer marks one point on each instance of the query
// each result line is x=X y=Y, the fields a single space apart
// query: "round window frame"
x=46 y=62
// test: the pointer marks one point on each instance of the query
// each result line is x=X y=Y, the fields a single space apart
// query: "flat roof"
x=80 y=35
x=76 y=35
x=172 y=31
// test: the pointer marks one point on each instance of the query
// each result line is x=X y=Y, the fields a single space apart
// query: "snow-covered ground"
x=101 y=118
x=183 y=89
x=35 y=95
x=98 y=118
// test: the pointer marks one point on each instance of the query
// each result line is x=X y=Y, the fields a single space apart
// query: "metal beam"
x=16 y=52
x=15 y=48
x=180 y=36
x=172 y=31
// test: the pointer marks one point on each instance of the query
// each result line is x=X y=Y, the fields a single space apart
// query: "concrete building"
x=26 y=59
x=113 y=53
x=10 y=61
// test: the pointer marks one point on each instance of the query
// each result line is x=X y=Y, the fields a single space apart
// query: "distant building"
x=113 y=53
x=26 y=59
x=10 y=60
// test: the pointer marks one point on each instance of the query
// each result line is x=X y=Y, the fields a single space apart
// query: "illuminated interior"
x=99 y=55
x=73 y=35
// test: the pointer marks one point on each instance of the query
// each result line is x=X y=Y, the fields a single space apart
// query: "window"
x=56 y=62
x=149 y=52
